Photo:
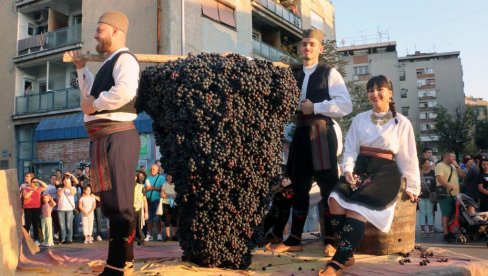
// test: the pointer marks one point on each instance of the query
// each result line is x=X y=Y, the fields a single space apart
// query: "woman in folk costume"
x=379 y=151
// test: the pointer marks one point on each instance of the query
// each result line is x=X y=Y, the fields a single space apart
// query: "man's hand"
x=77 y=60
x=87 y=104
x=349 y=178
x=413 y=198
x=307 y=107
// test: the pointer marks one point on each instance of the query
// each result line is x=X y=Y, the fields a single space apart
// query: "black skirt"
x=380 y=183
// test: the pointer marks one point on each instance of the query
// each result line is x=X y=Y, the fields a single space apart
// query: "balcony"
x=282 y=12
x=425 y=76
x=426 y=86
x=427 y=98
x=49 y=41
x=426 y=109
x=270 y=53
x=47 y=101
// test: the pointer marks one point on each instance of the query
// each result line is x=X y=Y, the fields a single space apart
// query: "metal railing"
x=269 y=52
x=51 y=40
x=281 y=11
x=48 y=101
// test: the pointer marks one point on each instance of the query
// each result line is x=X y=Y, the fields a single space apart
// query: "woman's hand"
x=413 y=198
x=349 y=178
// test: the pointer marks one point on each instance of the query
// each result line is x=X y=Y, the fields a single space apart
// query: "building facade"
x=368 y=60
x=41 y=122
x=479 y=107
x=428 y=80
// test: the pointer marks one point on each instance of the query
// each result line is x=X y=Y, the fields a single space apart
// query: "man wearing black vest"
x=107 y=101
x=312 y=155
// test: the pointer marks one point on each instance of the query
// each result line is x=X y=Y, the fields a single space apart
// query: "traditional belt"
x=100 y=128
x=310 y=120
x=374 y=152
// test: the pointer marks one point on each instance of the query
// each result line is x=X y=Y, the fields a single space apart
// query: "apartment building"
x=479 y=107
x=41 y=122
x=368 y=60
x=426 y=81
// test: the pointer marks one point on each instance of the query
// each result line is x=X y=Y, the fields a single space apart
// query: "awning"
x=72 y=127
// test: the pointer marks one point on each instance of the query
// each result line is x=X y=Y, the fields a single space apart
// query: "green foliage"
x=360 y=103
x=330 y=56
x=481 y=135
x=454 y=130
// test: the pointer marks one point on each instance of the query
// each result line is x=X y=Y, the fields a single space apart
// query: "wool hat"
x=313 y=33
x=116 y=19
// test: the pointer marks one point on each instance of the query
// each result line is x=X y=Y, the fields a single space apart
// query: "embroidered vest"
x=104 y=81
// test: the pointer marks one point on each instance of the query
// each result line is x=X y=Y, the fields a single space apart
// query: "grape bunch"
x=219 y=123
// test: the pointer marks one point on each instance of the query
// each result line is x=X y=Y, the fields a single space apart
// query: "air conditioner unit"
x=256 y=35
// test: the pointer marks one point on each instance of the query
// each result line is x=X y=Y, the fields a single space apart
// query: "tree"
x=330 y=56
x=360 y=103
x=481 y=135
x=454 y=131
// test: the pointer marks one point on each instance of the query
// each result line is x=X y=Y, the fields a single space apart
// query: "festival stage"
x=164 y=259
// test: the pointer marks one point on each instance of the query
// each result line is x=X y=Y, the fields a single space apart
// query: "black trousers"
x=32 y=217
x=118 y=204
x=301 y=171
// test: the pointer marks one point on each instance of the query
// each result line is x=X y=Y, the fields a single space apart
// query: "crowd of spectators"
x=65 y=210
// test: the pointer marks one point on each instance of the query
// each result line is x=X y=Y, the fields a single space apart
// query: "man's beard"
x=103 y=45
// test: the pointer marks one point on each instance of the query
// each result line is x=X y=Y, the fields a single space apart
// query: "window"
x=42 y=86
x=31 y=29
x=317 y=21
x=361 y=70
x=77 y=19
x=219 y=12
x=429 y=71
x=430 y=81
x=402 y=76
x=3 y=164
x=405 y=110
x=403 y=92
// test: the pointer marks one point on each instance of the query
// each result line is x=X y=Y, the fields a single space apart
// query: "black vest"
x=318 y=82
x=104 y=81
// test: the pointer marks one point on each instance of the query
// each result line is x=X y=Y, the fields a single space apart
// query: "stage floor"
x=164 y=259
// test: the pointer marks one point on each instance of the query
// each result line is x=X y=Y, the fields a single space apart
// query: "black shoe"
x=69 y=242
x=166 y=239
x=63 y=242
x=174 y=238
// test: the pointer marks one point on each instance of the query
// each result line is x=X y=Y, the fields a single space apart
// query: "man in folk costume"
x=313 y=147
x=107 y=101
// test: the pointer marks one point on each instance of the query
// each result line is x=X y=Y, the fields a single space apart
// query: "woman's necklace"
x=380 y=119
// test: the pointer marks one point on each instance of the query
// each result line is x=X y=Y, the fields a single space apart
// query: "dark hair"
x=137 y=176
x=483 y=159
x=422 y=161
x=426 y=149
x=382 y=81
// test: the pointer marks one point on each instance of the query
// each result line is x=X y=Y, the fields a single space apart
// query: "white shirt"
x=340 y=103
x=126 y=77
x=397 y=138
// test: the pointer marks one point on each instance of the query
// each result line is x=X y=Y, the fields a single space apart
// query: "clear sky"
x=423 y=25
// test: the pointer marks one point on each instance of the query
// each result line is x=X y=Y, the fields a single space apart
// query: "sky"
x=422 y=25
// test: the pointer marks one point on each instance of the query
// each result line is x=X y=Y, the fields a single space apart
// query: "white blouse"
x=397 y=138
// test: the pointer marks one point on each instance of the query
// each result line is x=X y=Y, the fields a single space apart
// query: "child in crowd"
x=87 y=205
x=140 y=206
x=48 y=204
x=170 y=210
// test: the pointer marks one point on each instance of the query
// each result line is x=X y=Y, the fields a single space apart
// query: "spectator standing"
x=447 y=173
x=32 y=204
x=170 y=210
x=48 y=204
x=52 y=190
x=483 y=185
x=427 y=184
x=87 y=204
x=66 y=205
x=427 y=153
x=153 y=186
x=140 y=206
x=470 y=182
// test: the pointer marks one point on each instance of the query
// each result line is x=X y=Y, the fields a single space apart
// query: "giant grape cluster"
x=219 y=123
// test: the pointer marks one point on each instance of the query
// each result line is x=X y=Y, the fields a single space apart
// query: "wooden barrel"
x=400 y=238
